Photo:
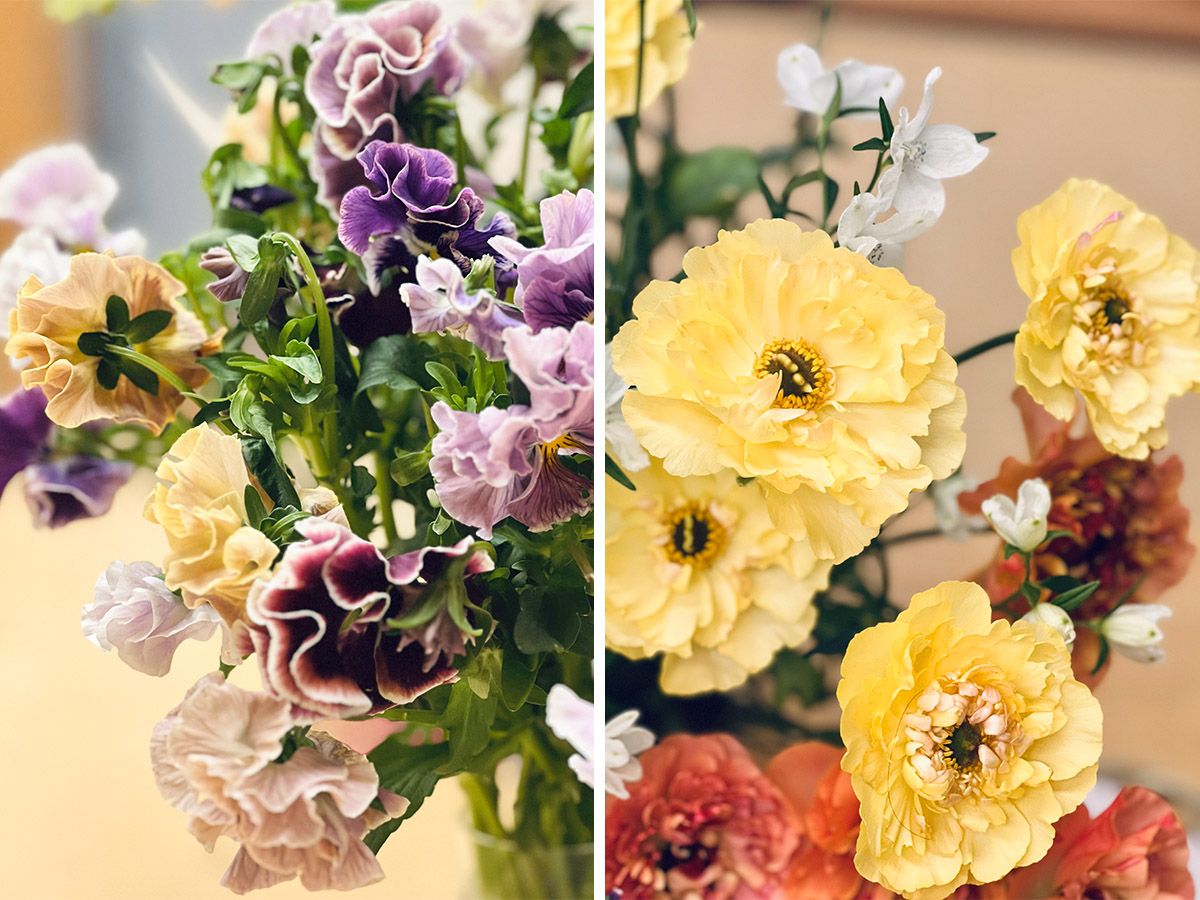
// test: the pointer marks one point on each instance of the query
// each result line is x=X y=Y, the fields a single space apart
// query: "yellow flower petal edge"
x=1114 y=314
x=801 y=365
x=664 y=57
x=966 y=740
x=695 y=571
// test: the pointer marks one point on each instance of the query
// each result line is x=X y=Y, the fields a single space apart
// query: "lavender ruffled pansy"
x=24 y=431
x=410 y=209
x=439 y=301
x=138 y=616
x=318 y=625
x=505 y=462
x=61 y=491
x=296 y=25
x=359 y=69
x=555 y=281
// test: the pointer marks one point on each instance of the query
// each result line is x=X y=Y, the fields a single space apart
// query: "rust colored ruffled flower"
x=702 y=822
x=966 y=739
x=213 y=554
x=49 y=320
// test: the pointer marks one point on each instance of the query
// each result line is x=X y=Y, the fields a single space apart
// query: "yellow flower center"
x=694 y=536
x=550 y=449
x=805 y=380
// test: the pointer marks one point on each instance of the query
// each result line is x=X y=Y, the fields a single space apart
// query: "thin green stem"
x=293 y=153
x=537 y=84
x=383 y=490
x=998 y=341
x=575 y=548
x=158 y=369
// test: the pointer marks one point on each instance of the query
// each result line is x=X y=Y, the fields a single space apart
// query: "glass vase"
x=505 y=870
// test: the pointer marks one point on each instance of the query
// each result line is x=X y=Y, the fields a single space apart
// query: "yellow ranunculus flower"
x=214 y=555
x=1114 y=313
x=803 y=366
x=696 y=571
x=966 y=740
x=664 y=59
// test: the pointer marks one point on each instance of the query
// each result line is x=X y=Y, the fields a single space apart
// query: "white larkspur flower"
x=1022 y=524
x=1054 y=616
x=810 y=88
x=573 y=719
x=948 y=515
x=882 y=242
x=924 y=154
x=621 y=442
x=1133 y=631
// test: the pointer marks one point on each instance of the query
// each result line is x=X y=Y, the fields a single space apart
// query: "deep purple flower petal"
x=554 y=494
x=77 y=487
x=24 y=430
x=231 y=278
x=551 y=304
x=405 y=673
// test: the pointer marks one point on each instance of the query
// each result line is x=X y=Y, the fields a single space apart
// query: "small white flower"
x=573 y=719
x=948 y=515
x=882 y=242
x=1133 y=631
x=924 y=154
x=624 y=446
x=1054 y=616
x=810 y=88
x=135 y=613
x=1022 y=524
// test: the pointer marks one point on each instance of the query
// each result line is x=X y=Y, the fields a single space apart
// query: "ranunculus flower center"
x=696 y=538
x=805 y=381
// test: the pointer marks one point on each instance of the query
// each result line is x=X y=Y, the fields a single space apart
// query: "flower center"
x=694 y=537
x=962 y=746
x=805 y=380
x=550 y=449
x=1111 y=306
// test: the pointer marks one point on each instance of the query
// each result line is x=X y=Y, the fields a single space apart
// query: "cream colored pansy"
x=695 y=571
x=214 y=555
x=664 y=57
x=966 y=740
x=1114 y=314
x=802 y=366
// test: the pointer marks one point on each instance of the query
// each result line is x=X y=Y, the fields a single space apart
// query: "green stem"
x=575 y=548
x=537 y=83
x=293 y=153
x=158 y=369
x=483 y=805
x=998 y=341
x=383 y=490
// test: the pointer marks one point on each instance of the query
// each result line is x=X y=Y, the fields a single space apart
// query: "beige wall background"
x=1064 y=101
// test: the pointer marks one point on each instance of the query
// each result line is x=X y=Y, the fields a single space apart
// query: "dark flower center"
x=805 y=380
x=962 y=747
x=1114 y=305
x=695 y=537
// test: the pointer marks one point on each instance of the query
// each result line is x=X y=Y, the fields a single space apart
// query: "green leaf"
x=94 y=343
x=262 y=464
x=468 y=718
x=831 y=192
x=255 y=510
x=362 y=482
x=711 y=183
x=108 y=374
x=1055 y=535
x=303 y=359
x=517 y=674
x=872 y=144
x=1030 y=592
x=1058 y=584
x=1071 y=599
x=616 y=473
x=147 y=325
x=244 y=250
x=239 y=76
x=143 y=379
x=545 y=625
x=1103 y=656
x=796 y=675
x=116 y=314
x=394 y=360
x=1010 y=549
x=690 y=9
x=410 y=466
x=579 y=96
x=408 y=771
x=797 y=181
x=445 y=377
x=263 y=282
x=885 y=122
x=981 y=136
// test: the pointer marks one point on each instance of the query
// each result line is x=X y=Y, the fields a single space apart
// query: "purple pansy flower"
x=439 y=302
x=24 y=431
x=75 y=487
x=410 y=209
x=555 y=281
x=505 y=462
x=359 y=69
x=318 y=624
x=296 y=25
x=231 y=278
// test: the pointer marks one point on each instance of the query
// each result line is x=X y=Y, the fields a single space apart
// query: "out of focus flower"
x=60 y=491
x=494 y=35
x=660 y=28
x=361 y=66
x=213 y=554
x=49 y=321
x=808 y=87
x=618 y=435
x=703 y=821
x=24 y=431
x=802 y=366
x=966 y=739
x=882 y=242
x=296 y=25
x=322 y=618
x=135 y=613
x=696 y=571
x=439 y=302
x=1114 y=314
x=1128 y=526
x=924 y=154
x=1054 y=616
x=1133 y=631
x=556 y=282
x=216 y=757
x=947 y=513
x=59 y=189
x=505 y=462
x=1022 y=524
x=410 y=209
x=33 y=252
x=573 y=719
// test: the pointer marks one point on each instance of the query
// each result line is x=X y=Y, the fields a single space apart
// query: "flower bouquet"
x=776 y=410
x=366 y=393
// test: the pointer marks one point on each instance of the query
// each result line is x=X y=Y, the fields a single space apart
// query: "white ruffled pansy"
x=809 y=87
x=882 y=243
x=573 y=719
x=1054 y=616
x=1022 y=524
x=924 y=154
x=621 y=442
x=1132 y=630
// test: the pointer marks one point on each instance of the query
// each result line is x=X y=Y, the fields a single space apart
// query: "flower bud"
x=1133 y=631
x=1022 y=524
x=1054 y=616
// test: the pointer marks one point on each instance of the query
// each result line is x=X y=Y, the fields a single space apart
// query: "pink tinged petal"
x=245 y=875
x=405 y=568
x=1085 y=238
